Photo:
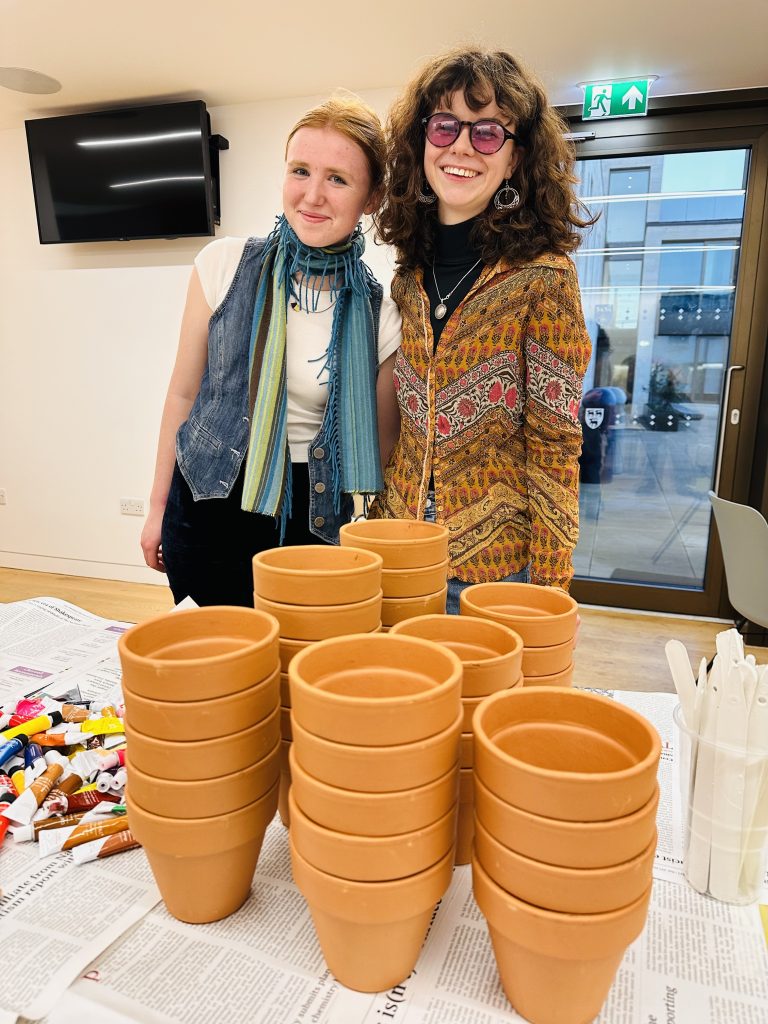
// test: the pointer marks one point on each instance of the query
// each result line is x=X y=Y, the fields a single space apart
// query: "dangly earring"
x=507 y=198
x=428 y=197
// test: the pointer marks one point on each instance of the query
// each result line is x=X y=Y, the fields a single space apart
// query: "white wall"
x=87 y=341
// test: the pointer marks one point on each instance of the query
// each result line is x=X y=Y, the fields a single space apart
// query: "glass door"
x=660 y=272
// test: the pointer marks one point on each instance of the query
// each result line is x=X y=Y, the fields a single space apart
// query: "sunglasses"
x=487 y=136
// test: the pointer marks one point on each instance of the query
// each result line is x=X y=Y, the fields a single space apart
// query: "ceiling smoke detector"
x=25 y=80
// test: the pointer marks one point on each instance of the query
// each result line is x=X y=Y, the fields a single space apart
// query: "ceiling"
x=237 y=51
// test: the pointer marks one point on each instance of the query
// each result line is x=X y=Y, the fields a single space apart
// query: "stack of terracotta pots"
x=374 y=764
x=545 y=617
x=414 y=580
x=201 y=690
x=565 y=835
x=491 y=656
x=315 y=592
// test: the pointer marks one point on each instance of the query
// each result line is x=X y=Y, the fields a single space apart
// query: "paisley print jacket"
x=492 y=416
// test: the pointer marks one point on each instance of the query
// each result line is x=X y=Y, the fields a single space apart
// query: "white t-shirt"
x=307 y=336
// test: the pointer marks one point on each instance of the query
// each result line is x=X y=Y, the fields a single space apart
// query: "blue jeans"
x=455 y=587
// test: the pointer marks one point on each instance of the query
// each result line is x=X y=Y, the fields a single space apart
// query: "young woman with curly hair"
x=481 y=209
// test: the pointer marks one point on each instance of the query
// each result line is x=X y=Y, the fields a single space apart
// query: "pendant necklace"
x=441 y=309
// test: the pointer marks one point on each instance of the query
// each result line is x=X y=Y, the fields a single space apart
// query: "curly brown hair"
x=549 y=213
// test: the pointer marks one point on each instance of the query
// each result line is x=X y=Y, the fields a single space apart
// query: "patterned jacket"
x=493 y=416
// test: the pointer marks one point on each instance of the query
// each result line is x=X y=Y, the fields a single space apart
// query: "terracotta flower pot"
x=565 y=754
x=398 y=583
x=285 y=783
x=395 y=609
x=314 y=574
x=203 y=759
x=576 y=844
x=371 y=933
x=198 y=653
x=569 y=890
x=289 y=649
x=541 y=615
x=491 y=654
x=320 y=621
x=377 y=769
x=204 y=798
x=564 y=678
x=204 y=866
x=373 y=814
x=371 y=858
x=402 y=543
x=466 y=750
x=465 y=822
x=187 y=720
x=555 y=968
x=378 y=690
x=548 y=661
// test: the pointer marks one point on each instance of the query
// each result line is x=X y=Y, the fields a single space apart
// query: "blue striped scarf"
x=350 y=428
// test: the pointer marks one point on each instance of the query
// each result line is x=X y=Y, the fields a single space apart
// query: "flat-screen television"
x=133 y=172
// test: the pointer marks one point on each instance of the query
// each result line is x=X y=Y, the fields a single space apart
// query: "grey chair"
x=744 y=539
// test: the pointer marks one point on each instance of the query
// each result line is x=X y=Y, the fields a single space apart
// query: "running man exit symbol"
x=616 y=99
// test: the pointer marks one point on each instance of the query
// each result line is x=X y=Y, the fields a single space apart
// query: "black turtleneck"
x=454 y=256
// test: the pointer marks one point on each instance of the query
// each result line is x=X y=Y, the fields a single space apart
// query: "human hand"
x=150 y=540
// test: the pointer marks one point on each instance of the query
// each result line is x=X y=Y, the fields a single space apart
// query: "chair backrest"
x=744 y=539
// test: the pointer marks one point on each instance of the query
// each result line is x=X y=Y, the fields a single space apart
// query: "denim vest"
x=211 y=445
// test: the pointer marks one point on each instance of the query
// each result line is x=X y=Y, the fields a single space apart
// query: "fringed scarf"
x=351 y=434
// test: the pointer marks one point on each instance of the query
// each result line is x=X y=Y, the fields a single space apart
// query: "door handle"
x=723 y=422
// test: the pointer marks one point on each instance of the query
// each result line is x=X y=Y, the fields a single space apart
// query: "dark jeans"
x=208 y=545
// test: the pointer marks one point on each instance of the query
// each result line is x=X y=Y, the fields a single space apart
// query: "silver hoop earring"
x=507 y=198
x=426 y=197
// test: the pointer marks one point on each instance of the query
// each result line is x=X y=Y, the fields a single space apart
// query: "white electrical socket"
x=3 y=496
x=132 y=506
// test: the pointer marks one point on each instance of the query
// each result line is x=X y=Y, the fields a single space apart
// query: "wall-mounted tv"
x=133 y=172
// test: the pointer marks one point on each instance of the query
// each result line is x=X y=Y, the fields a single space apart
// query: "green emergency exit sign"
x=616 y=99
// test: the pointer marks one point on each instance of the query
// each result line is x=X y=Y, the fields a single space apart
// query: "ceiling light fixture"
x=26 y=80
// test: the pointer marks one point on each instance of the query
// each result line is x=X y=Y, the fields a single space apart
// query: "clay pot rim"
x=571 y=874
x=388 y=602
x=214 y=821
x=341 y=701
x=368 y=529
x=263 y=560
x=359 y=749
x=127 y=640
x=570 y=609
x=187 y=745
x=229 y=699
x=193 y=784
x=547 y=648
x=353 y=884
x=364 y=843
x=558 y=916
x=311 y=610
x=550 y=676
x=552 y=774
x=358 y=795
x=418 y=570
x=506 y=631
x=598 y=828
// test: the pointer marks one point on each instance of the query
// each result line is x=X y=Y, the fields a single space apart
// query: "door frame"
x=677 y=124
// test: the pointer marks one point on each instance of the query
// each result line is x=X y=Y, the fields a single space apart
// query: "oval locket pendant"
x=440 y=310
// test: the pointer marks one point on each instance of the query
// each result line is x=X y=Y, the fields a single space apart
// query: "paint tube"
x=104 y=847
x=119 y=780
x=29 y=833
x=17 y=776
x=10 y=748
x=40 y=724
x=58 y=839
x=74 y=712
x=34 y=763
x=7 y=786
x=109 y=724
x=25 y=806
x=82 y=801
x=104 y=781
x=7 y=800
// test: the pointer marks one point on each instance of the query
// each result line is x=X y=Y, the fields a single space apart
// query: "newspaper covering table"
x=94 y=943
